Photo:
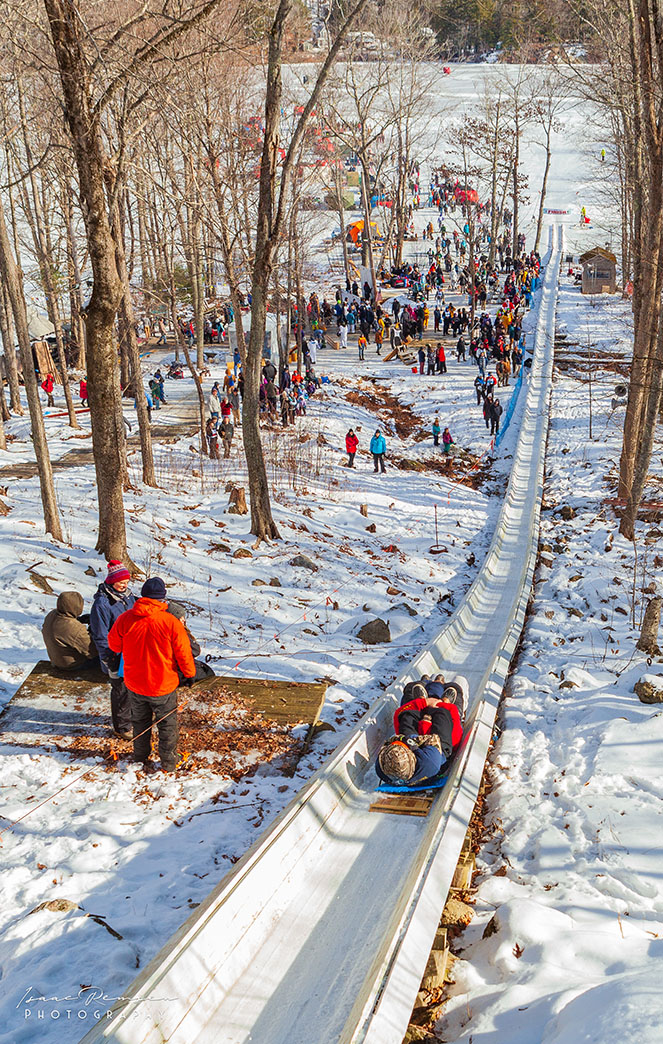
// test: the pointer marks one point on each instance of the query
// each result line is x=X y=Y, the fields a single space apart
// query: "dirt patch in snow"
x=467 y=470
x=390 y=409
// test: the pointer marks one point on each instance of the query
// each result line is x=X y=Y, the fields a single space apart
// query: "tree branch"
x=151 y=48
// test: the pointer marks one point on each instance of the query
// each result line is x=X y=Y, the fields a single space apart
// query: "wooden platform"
x=403 y=804
x=70 y=712
x=282 y=701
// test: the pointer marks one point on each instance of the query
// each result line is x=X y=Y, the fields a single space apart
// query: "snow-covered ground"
x=99 y=843
x=135 y=852
x=571 y=878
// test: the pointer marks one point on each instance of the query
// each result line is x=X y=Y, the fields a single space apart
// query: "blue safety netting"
x=511 y=407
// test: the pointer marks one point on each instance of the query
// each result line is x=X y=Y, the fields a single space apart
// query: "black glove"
x=113 y=663
x=188 y=682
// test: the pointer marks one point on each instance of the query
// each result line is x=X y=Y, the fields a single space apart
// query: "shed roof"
x=597 y=252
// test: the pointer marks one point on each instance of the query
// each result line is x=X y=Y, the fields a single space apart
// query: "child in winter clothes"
x=47 y=386
x=436 y=431
x=447 y=441
x=351 y=443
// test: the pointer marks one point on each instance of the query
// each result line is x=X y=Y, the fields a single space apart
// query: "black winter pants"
x=378 y=460
x=120 y=705
x=160 y=709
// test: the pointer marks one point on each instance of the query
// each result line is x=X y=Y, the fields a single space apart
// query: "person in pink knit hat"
x=111 y=600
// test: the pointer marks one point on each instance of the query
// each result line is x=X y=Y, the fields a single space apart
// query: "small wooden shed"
x=599 y=271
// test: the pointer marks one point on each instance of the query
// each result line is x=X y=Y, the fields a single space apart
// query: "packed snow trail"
x=322 y=931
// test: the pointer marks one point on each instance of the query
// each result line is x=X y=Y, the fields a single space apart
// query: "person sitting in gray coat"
x=68 y=642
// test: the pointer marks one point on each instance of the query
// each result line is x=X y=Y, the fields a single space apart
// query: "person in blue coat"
x=378 y=448
x=111 y=600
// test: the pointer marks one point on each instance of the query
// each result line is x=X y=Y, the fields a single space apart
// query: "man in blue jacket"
x=378 y=449
x=111 y=600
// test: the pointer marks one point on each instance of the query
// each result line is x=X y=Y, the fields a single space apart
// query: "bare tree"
x=271 y=217
x=11 y=277
x=94 y=66
x=550 y=93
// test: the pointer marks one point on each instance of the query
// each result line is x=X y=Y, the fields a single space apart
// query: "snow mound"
x=585 y=680
x=632 y=748
x=602 y=1014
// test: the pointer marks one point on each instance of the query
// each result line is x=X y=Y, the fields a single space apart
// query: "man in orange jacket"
x=153 y=644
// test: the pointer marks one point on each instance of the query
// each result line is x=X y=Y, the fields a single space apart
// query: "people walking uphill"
x=154 y=390
x=351 y=443
x=379 y=336
x=427 y=732
x=66 y=637
x=441 y=359
x=153 y=644
x=112 y=598
x=214 y=404
x=487 y=404
x=233 y=400
x=362 y=345
x=82 y=391
x=436 y=431
x=479 y=387
x=447 y=441
x=227 y=430
x=160 y=380
x=47 y=386
x=421 y=354
x=495 y=414
x=212 y=436
x=430 y=360
x=378 y=448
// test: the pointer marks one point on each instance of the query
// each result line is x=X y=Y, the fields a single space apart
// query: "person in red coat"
x=428 y=729
x=351 y=443
x=47 y=386
x=82 y=391
x=441 y=359
x=153 y=644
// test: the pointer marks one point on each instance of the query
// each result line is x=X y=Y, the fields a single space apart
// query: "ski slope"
x=322 y=931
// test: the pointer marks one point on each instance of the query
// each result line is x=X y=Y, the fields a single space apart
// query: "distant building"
x=599 y=271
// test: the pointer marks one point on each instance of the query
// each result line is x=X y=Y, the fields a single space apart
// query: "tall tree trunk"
x=11 y=363
x=494 y=210
x=542 y=198
x=367 y=234
x=642 y=451
x=12 y=278
x=75 y=287
x=340 y=206
x=108 y=440
x=192 y=369
x=516 y=164
x=194 y=229
x=4 y=413
x=226 y=250
x=646 y=320
x=269 y=224
x=147 y=271
x=38 y=222
x=129 y=329
x=301 y=304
